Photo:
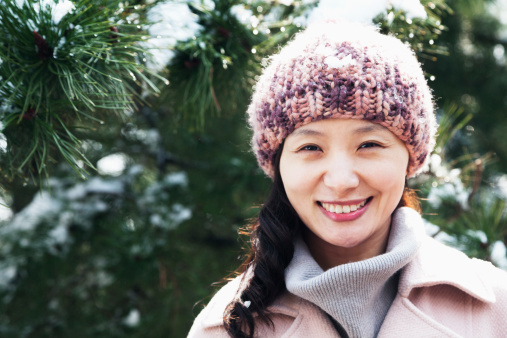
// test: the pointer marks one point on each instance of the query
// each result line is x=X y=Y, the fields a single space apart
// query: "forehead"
x=343 y=126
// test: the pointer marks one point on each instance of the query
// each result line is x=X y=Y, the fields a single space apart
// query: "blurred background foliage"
x=132 y=250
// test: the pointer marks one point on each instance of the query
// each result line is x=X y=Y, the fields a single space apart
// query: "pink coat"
x=441 y=293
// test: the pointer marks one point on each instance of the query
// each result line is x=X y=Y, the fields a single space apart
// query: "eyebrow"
x=360 y=130
x=369 y=128
x=306 y=131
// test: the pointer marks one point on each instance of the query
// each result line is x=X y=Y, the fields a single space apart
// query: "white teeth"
x=345 y=209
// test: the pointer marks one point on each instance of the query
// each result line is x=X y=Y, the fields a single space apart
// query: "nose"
x=341 y=174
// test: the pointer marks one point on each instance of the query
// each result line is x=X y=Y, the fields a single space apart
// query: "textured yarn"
x=356 y=295
x=343 y=70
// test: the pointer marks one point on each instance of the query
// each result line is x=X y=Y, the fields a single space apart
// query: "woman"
x=341 y=117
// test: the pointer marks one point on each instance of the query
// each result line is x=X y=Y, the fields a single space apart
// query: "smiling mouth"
x=344 y=209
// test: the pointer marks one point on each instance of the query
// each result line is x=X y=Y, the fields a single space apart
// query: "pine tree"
x=130 y=249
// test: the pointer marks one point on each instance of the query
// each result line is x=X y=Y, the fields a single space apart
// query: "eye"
x=369 y=145
x=310 y=147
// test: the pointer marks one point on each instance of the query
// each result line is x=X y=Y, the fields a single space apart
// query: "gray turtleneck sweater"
x=357 y=295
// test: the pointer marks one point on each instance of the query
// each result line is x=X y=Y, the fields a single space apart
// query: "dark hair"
x=271 y=248
x=272 y=237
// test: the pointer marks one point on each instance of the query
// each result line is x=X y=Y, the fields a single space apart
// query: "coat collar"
x=436 y=264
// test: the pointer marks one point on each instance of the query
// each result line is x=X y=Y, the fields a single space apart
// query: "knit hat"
x=343 y=70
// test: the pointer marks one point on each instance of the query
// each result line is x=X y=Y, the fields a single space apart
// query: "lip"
x=346 y=217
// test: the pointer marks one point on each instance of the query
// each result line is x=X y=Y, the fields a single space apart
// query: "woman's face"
x=344 y=178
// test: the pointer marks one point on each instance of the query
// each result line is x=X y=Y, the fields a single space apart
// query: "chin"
x=342 y=242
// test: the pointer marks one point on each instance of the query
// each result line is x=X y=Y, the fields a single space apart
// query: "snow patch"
x=59 y=235
x=7 y=273
x=103 y=279
x=101 y=186
x=436 y=167
x=412 y=8
x=5 y=212
x=178 y=178
x=133 y=318
x=286 y=2
x=173 y=22
x=3 y=143
x=430 y=228
x=57 y=8
x=335 y=62
x=113 y=164
x=156 y=219
x=43 y=206
x=499 y=255
x=358 y=11
x=241 y=13
x=449 y=191
x=478 y=234
x=180 y=213
x=61 y=9
x=501 y=186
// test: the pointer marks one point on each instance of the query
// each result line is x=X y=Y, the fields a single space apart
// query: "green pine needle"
x=59 y=76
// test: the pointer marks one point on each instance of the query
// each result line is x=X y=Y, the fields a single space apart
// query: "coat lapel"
x=406 y=320
x=308 y=319
x=435 y=264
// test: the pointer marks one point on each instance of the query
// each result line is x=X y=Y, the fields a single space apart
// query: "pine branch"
x=65 y=73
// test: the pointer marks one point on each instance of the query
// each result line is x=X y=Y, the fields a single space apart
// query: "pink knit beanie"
x=343 y=70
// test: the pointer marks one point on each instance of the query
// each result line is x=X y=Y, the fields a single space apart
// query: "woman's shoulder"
x=461 y=262
x=443 y=289
x=436 y=262
x=291 y=316
x=209 y=322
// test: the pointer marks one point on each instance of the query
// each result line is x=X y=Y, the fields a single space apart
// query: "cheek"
x=297 y=180
x=291 y=179
x=384 y=173
x=389 y=178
